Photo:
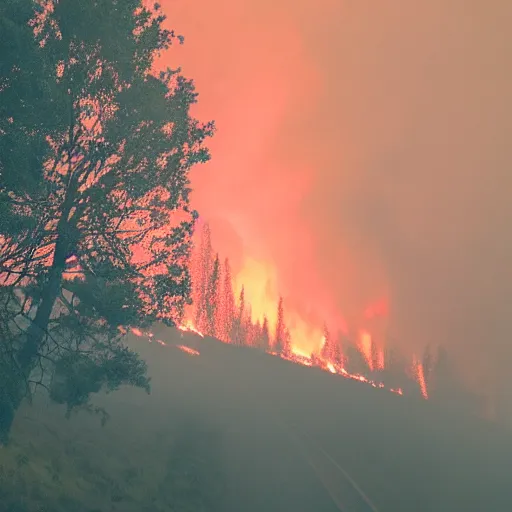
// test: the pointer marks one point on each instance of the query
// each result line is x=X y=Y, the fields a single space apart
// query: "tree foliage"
x=279 y=337
x=95 y=151
x=213 y=298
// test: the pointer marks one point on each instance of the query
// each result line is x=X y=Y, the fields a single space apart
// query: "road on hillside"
x=269 y=462
x=294 y=440
x=344 y=491
x=274 y=467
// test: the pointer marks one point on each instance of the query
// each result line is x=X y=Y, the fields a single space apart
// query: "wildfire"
x=248 y=320
x=294 y=355
x=150 y=337
x=365 y=346
x=188 y=350
x=216 y=313
x=189 y=327
x=420 y=376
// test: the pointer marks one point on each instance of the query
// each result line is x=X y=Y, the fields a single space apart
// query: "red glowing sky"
x=362 y=152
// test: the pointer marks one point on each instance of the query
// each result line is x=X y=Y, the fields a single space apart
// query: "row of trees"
x=95 y=153
x=216 y=312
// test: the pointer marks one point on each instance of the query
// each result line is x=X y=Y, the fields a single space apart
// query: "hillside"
x=175 y=449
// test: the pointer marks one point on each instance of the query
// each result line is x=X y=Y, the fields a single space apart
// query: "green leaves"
x=95 y=153
x=78 y=375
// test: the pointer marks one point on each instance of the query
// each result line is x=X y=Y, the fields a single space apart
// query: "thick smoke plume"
x=362 y=158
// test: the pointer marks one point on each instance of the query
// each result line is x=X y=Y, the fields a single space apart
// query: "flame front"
x=245 y=309
x=189 y=327
x=188 y=350
x=216 y=313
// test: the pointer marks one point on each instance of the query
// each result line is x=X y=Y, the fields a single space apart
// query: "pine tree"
x=444 y=385
x=428 y=363
x=355 y=362
x=212 y=298
x=287 y=342
x=227 y=305
x=337 y=354
x=378 y=356
x=238 y=334
x=95 y=153
x=265 y=335
x=327 y=351
x=279 y=338
x=248 y=328
x=341 y=344
x=396 y=366
x=205 y=267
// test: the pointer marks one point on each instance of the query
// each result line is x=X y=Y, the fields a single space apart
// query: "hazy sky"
x=362 y=153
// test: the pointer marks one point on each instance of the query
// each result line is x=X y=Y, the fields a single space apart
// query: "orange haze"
x=362 y=156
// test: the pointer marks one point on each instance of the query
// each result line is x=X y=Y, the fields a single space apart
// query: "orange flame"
x=420 y=377
x=188 y=350
x=365 y=346
x=245 y=308
x=190 y=327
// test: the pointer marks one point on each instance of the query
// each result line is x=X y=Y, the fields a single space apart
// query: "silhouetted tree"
x=395 y=366
x=265 y=335
x=428 y=364
x=213 y=298
x=95 y=152
x=355 y=362
x=257 y=334
x=204 y=271
x=248 y=328
x=446 y=387
x=279 y=337
x=337 y=354
x=327 y=351
x=238 y=335
x=287 y=342
x=226 y=305
x=378 y=355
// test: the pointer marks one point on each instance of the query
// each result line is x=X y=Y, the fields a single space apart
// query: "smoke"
x=362 y=154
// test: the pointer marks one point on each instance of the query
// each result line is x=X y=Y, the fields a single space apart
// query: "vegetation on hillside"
x=131 y=465
x=95 y=220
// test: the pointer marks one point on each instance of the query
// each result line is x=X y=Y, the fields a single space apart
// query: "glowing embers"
x=189 y=327
x=188 y=350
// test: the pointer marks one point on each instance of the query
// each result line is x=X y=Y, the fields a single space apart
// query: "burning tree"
x=279 y=338
x=264 y=338
x=202 y=274
x=444 y=384
x=287 y=342
x=95 y=152
x=212 y=299
x=226 y=311
x=238 y=330
x=355 y=361
x=250 y=329
x=328 y=349
x=337 y=352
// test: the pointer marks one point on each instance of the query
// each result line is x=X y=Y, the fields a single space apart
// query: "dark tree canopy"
x=95 y=151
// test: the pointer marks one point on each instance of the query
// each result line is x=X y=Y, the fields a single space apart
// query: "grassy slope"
x=58 y=465
x=150 y=456
x=164 y=452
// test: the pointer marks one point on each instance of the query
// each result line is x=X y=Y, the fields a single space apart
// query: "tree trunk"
x=37 y=329
x=12 y=397
x=11 y=400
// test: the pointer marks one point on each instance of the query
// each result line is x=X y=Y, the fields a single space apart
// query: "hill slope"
x=175 y=449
